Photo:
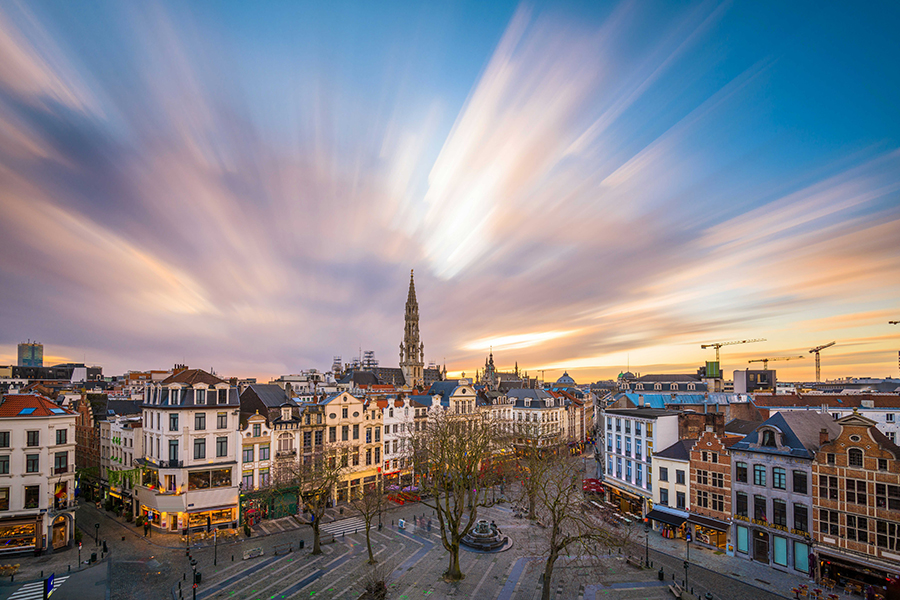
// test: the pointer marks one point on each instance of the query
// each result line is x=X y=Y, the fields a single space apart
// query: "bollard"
x=42 y=574
x=70 y=568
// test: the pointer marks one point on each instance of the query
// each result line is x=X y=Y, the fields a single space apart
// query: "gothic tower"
x=412 y=351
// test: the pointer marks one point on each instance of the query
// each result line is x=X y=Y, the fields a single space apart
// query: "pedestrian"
x=146 y=528
x=870 y=593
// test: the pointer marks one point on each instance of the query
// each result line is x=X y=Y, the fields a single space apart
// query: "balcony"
x=171 y=464
x=61 y=470
x=282 y=453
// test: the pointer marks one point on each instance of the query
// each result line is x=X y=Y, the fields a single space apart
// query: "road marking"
x=35 y=590
x=344 y=526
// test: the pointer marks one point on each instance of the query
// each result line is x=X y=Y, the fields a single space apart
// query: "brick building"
x=857 y=507
x=710 y=488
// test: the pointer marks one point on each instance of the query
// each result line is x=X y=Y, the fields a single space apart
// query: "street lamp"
x=97 y=534
x=687 y=559
x=646 y=542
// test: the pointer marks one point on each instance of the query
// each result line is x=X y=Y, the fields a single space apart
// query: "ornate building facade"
x=412 y=350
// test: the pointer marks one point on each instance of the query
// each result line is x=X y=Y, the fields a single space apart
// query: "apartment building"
x=189 y=467
x=354 y=427
x=672 y=492
x=37 y=474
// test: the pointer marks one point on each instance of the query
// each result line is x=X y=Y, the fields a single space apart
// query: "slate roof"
x=360 y=378
x=13 y=404
x=741 y=426
x=269 y=394
x=800 y=433
x=123 y=407
x=680 y=450
x=674 y=378
x=421 y=400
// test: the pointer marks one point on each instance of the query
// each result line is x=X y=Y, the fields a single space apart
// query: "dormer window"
x=691 y=387
x=768 y=438
x=285 y=413
x=640 y=386
x=199 y=396
x=674 y=387
x=658 y=386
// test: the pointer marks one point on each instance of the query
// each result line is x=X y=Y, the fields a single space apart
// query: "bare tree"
x=368 y=502
x=531 y=451
x=561 y=509
x=449 y=454
x=316 y=475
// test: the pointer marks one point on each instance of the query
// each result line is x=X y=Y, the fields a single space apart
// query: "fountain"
x=486 y=537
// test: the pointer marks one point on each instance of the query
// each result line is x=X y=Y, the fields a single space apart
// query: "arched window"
x=658 y=386
x=855 y=457
x=674 y=387
x=285 y=442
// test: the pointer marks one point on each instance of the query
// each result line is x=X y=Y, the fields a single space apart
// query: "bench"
x=635 y=562
x=253 y=553
x=284 y=548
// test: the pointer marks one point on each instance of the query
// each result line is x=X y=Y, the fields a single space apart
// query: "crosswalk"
x=344 y=526
x=35 y=590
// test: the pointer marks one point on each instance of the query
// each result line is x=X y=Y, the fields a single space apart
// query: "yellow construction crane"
x=765 y=361
x=817 y=349
x=718 y=345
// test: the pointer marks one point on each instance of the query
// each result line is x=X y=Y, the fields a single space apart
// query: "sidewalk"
x=757 y=574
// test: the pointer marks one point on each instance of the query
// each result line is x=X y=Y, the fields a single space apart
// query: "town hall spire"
x=412 y=350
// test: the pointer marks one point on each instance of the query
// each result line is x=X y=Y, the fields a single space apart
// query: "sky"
x=580 y=186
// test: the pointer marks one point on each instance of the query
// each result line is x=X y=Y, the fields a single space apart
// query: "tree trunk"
x=317 y=545
x=532 y=506
x=453 y=572
x=548 y=575
x=372 y=560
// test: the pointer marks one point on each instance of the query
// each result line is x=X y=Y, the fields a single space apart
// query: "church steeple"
x=412 y=350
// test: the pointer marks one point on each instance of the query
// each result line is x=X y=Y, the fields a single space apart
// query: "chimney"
x=823 y=437
x=641 y=401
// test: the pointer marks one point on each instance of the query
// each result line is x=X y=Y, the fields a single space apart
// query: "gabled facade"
x=857 y=505
x=354 y=428
x=710 y=518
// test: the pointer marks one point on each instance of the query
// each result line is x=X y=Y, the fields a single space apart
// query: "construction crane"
x=765 y=361
x=817 y=349
x=893 y=322
x=718 y=345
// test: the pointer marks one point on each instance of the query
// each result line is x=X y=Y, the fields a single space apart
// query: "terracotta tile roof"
x=12 y=405
x=192 y=376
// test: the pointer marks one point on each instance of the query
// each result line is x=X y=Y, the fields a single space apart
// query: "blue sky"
x=579 y=185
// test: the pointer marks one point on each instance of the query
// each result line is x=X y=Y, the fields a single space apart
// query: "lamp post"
x=687 y=559
x=97 y=534
x=646 y=542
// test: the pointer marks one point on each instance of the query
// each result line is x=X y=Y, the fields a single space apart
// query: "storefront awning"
x=708 y=522
x=667 y=518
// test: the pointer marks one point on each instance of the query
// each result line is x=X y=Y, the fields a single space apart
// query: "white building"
x=126 y=446
x=399 y=419
x=672 y=492
x=190 y=468
x=37 y=474
x=630 y=436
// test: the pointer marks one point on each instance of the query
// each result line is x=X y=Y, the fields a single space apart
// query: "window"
x=344 y=413
x=743 y=544
x=679 y=476
x=856 y=491
x=779 y=512
x=800 y=485
x=779 y=478
x=759 y=475
x=60 y=463
x=889 y=417
x=759 y=508
x=801 y=517
x=718 y=480
x=768 y=438
x=637 y=428
x=221 y=446
x=199 y=448
x=882 y=464
x=32 y=463
x=173 y=450
x=829 y=521
x=828 y=487
x=356 y=431
x=608 y=422
x=887 y=496
x=702 y=477
x=263 y=453
x=263 y=477
x=33 y=438
x=247 y=454
x=368 y=456
x=703 y=499
x=741 y=472
x=830 y=458
x=4 y=498
x=627 y=470
x=377 y=455
x=4 y=439
x=61 y=436
x=247 y=480
x=332 y=434
x=858 y=529
x=221 y=420
x=223 y=396
x=199 y=396
x=664 y=496
x=637 y=449
x=627 y=426
x=679 y=500
x=200 y=421
x=345 y=433
x=257 y=430
x=307 y=439
x=855 y=457
x=740 y=508
x=618 y=444
x=4 y=465
x=318 y=438
x=355 y=458
x=173 y=422
x=887 y=535
x=618 y=424
x=663 y=474
x=718 y=502
x=377 y=434
x=32 y=496
x=628 y=446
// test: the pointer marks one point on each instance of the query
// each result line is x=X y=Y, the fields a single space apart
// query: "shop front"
x=211 y=519
x=626 y=502
x=708 y=531
x=772 y=545
x=18 y=535
x=849 y=570
x=669 y=525
x=59 y=532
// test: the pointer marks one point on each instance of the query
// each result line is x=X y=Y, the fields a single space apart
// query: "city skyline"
x=580 y=186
